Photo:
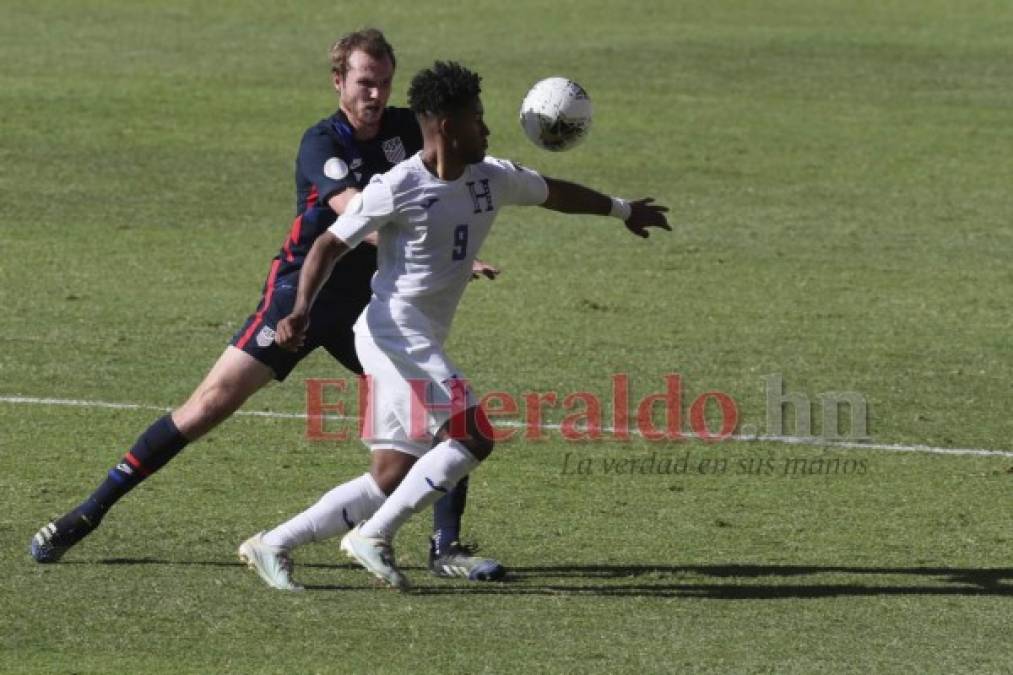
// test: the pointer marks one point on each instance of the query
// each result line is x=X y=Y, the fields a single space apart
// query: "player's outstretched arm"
x=316 y=269
x=567 y=197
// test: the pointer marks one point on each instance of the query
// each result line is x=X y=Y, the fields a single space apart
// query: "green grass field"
x=839 y=175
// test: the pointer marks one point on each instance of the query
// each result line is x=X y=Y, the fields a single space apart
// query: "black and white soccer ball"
x=556 y=114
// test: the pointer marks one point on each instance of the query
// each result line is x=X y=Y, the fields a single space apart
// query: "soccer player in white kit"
x=432 y=212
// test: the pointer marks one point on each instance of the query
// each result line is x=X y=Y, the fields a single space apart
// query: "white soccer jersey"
x=430 y=231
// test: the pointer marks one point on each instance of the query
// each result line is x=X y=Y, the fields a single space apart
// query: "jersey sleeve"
x=367 y=212
x=323 y=163
x=523 y=186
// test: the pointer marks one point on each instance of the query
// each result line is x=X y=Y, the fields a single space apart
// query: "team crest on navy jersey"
x=265 y=337
x=393 y=150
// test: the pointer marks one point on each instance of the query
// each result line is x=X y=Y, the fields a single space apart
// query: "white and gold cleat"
x=273 y=564
x=376 y=555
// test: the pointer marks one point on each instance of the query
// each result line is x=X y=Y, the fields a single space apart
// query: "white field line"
x=787 y=440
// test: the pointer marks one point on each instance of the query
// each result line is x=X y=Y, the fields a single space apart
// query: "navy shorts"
x=331 y=321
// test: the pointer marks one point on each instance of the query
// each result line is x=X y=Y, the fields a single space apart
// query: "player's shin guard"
x=335 y=513
x=153 y=449
x=447 y=514
x=431 y=477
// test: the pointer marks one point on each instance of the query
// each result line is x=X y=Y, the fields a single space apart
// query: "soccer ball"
x=556 y=114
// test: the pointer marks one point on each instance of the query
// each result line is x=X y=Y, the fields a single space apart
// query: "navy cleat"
x=459 y=561
x=42 y=548
x=54 y=539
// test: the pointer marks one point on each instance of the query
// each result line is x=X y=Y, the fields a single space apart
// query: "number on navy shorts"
x=460 y=249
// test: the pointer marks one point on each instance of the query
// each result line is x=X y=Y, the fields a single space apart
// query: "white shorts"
x=414 y=388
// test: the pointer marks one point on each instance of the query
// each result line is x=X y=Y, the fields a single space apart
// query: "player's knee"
x=233 y=379
x=388 y=468
x=471 y=428
x=480 y=447
x=218 y=402
x=387 y=479
x=206 y=408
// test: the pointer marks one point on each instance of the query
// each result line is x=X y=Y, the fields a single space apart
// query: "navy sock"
x=447 y=513
x=153 y=449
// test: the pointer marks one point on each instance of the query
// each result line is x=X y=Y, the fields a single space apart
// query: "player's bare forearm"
x=339 y=203
x=567 y=197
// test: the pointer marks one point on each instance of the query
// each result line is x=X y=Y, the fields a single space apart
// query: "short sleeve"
x=323 y=162
x=524 y=186
x=367 y=212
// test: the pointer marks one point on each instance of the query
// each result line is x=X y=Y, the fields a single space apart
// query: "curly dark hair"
x=445 y=87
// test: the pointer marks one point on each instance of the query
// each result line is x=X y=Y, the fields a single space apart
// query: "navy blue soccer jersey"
x=330 y=161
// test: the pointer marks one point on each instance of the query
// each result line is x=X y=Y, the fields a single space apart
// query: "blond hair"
x=369 y=40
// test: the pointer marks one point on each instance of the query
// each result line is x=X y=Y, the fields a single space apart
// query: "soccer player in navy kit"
x=337 y=157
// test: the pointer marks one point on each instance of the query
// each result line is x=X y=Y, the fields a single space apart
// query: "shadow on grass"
x=742 y=582
x=349 y=567
x=200 y=563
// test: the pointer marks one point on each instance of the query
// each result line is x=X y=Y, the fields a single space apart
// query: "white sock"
x=432 y=476
x=335 y=513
